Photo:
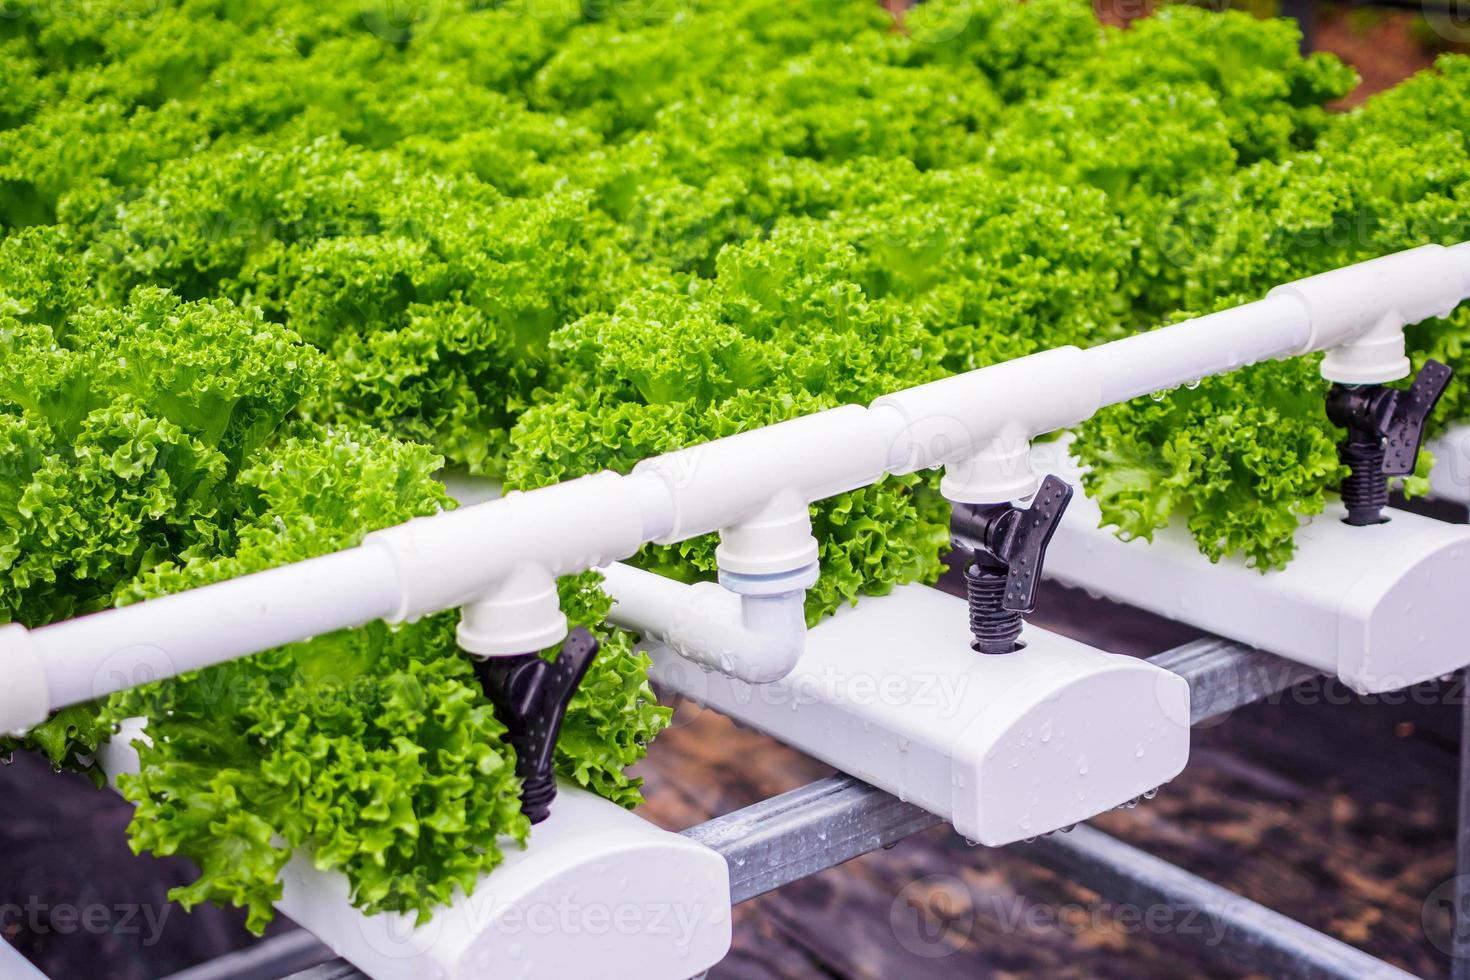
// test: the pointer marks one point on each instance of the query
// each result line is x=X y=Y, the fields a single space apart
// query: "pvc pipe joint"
x=455 y=559
x=776 y=541
x=1002 y=472
x=955 y=418
x=25 y=700
x=734 y=482
x=1357 y=314
x=979 y=425
x=1376 y=356
x=522 y=614
x=757 y=637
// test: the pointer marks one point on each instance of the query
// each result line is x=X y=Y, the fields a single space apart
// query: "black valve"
x=1384 y=429
x=531 y=695
x=1008 y=547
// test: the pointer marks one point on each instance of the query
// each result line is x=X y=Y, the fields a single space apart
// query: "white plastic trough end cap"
x=599 y=892
x=1003 y=747
x=25 y=700
x=1382 y=607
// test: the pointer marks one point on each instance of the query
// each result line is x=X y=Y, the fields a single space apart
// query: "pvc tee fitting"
x=776 y=541
x=979 y=425
x=1000 y=473
x=522 y=614
x=1357 y=314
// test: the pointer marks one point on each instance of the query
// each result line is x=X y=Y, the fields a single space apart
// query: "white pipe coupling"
x=25 y=699
x=1358 y=313
x=998 y=474
x=776 y=541
x=522 y=614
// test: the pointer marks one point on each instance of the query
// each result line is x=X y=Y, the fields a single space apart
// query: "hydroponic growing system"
x=1389 y=619
x=727 y=324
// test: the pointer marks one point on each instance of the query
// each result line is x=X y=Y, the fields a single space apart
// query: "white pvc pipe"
x=1194 y=349
x=447 y=560
x=97 y=655
x=753 y=638
x=450 y=560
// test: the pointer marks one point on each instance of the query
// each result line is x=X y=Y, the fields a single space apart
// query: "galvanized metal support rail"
x=811 y=829
x=1226 y=923
x=269 y=959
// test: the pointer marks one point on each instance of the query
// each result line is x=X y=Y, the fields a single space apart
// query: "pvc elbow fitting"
x=757 y=638
x=25 y=699
x=777 y=623
x=762 y=645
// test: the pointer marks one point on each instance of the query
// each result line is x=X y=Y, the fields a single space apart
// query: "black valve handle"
x=1008 y=546
x=1405 y=431
x=1385 y=428
x=1026 y=548
x=531 y=696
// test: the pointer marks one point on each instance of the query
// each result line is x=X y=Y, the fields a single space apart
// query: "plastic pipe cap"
x=25 y=700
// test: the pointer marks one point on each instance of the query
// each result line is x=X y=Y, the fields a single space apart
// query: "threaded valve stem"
x=996 y=629
x=1365 y=491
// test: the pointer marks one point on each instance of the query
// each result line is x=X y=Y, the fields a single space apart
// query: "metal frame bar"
x=1226 y=923
x=819 y=826
x=269 y=959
